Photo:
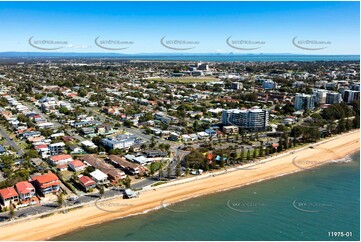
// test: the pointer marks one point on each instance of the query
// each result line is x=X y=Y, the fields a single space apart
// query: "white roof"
x=57 y=144
x=45 y=124
x=88 y=143
x=98 y=175
x=202 y=134
x=140 y=159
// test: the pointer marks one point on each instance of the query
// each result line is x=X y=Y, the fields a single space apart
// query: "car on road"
x=23 y=215
x=73 y=198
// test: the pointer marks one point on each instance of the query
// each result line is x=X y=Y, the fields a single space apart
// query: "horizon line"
x=171 y=53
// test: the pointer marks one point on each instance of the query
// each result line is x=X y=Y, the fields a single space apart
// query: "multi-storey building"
x=56 y=148
x=304 y=101
x=333 y=97
x=350 y=95
x=254 y=119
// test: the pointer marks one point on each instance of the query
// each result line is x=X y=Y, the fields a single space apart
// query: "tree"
x=280 y=144
x=311 y=135
x=101 y=191
x=356 y=122
x=267 y=151
x=286 y=141
x=242 y=155
x=297 y=131
x=281 y=128
x=160 y=173
x=237 y=137
x=60 y=200
x=178 y=170
x=152 y=143
x=169 y=171
x=261 y=150
x=221 y=162
x=337 y=111
x=31 y=154
x=143 y=146
x=11 y=210
x=248 y=154
x=152 y=168
x=254 y=153
x=167 y=147
x=341 y=127
x=127 y=182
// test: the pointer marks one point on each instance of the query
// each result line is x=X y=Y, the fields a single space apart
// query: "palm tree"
x=261 y=149
x=152 y=168
x=178 y=169
x=242 y=154
x=160 y=173
x=101 y=191
x=169 y=169
x=248 y=154
x=60 y=200
x=11 y=210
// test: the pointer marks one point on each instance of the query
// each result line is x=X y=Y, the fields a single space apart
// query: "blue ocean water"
x=303 y=206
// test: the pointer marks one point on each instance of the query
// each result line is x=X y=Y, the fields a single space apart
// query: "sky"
x=181 y=27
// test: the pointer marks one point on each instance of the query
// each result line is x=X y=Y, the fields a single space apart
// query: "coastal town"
x=78 y=130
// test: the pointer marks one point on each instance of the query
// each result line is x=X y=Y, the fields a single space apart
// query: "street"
x=11 y=142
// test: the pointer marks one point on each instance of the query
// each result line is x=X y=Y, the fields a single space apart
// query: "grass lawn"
x=67 y=174
x=23 y=145
x=156 y=165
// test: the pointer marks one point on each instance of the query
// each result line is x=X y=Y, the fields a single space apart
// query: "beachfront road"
x=51 y=206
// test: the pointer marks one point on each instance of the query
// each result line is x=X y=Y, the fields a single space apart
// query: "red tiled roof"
x=77 y=163
x=42 y=146
x=62 y=166
x=47 y=179
x=24 y=187
x=86 y=181
x=67 y=138
x=8 y=192
x=60 y=157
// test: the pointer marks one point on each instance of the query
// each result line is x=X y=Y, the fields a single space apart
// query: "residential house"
x=230 y=129
x=47 y=183
x=77 y=165
x=25 y=190
x=154 y=153
x=128 y=167
x=116 y=175
x=56 y=148
x=8 y=195
x=99 y=177
x=60 y=159
x=87 y=183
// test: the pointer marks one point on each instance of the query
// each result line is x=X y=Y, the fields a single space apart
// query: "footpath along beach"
x=332 y=149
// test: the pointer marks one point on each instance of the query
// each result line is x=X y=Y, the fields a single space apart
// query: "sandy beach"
x=302 y=159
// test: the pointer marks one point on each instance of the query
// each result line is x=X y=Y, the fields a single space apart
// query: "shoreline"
x=325 y=151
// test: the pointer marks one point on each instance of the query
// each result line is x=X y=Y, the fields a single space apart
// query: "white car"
x=73 y=198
